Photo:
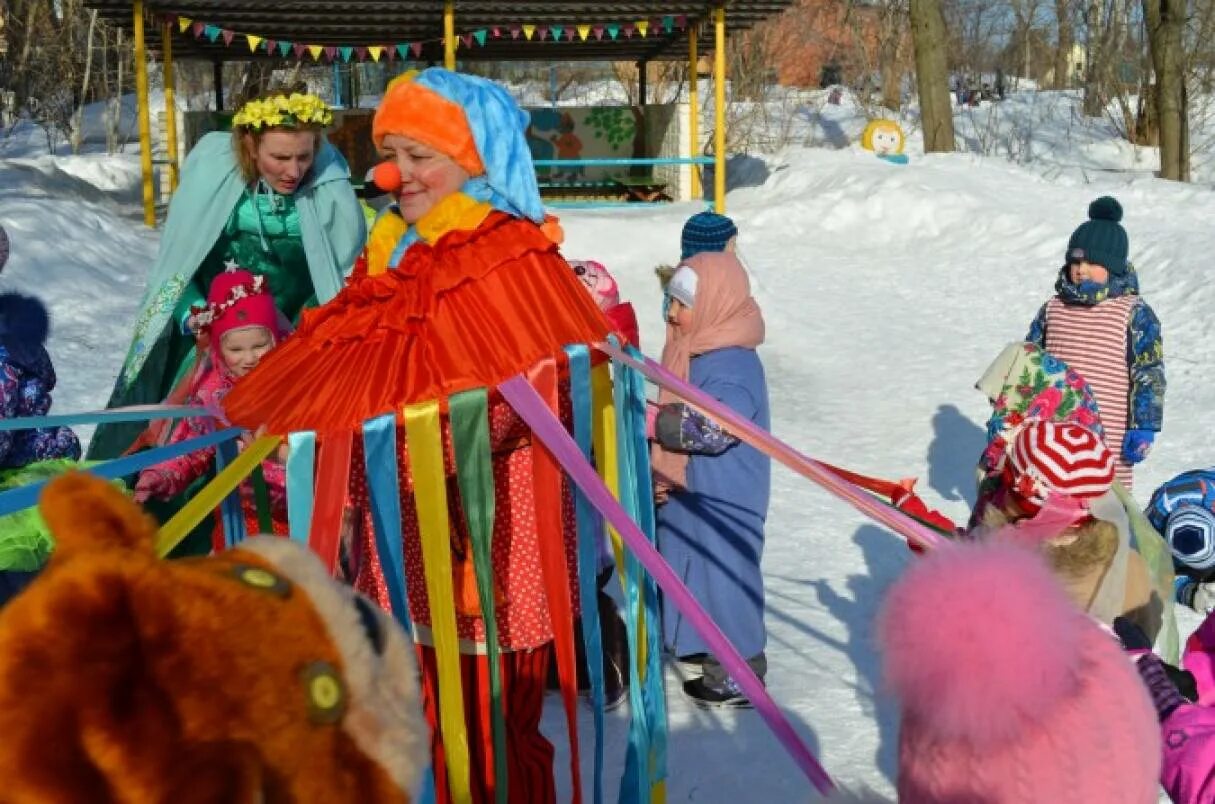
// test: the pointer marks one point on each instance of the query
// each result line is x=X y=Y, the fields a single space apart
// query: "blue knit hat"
x=1101 y=239
x=1190 y=533
x=706 y=231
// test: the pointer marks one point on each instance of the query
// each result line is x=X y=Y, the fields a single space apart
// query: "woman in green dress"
x=273 y=197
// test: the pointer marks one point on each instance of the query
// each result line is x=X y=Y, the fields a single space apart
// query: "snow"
x=887 y=291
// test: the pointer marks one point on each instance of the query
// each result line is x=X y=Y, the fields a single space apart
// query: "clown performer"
x=461 y=289
x=273 y=197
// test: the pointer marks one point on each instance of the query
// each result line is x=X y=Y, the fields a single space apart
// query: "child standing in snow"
x=238 y=326
x=26 y=381
x=713 y=490
x=1099 y=325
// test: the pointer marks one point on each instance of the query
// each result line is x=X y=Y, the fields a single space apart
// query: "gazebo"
x=432 y=31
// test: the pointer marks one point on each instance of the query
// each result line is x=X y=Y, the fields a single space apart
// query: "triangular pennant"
x=643 y=27
x=198 y=29
x=613 y=30
x=183 y=23
x=212 y=32
x=583 y=32
x=416 y=49
x=299 y=50
x=228 y=36
x=497 y=32
x=403 y=49
x=541 y=32
x=514 y=31
x=668 y=22
x=392 y=54
x=284 y=48
x=466 y=39
x=316 y=51
x=253 y=41
x=331 y=52
x=361 y=52
x=376 y=51
x=346 y=52
x=682 y=21
x=569 y=34
x=557 y=31
x=529 y=31
x=271 y=46
x=628 y=31
x=598 y=29
x=480 y=36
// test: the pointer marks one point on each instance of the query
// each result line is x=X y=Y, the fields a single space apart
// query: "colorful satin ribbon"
x=329 y=505
x=383 y=490
x=210 y=497
x=301 y=483
x=231 y=516
x=532 y=409
x=469 y=413
x=424 y=430
x=746 y=431
x=134 y=413
x=589 y=528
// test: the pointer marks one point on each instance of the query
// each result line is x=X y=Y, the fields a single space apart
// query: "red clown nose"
x=387 y=176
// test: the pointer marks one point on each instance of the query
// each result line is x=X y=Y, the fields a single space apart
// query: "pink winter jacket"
x=1188 y=771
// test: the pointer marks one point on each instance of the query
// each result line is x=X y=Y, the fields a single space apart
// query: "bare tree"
x=77 y=125
x=1165 y=20
x=1065 y=41
x=932 y=74
x=1094 y=55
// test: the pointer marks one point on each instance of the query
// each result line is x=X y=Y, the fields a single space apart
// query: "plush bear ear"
x=86 y=513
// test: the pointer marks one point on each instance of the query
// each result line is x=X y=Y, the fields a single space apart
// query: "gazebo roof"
x=491 y=30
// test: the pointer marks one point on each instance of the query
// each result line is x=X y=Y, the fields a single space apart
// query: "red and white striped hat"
x=1059 y=458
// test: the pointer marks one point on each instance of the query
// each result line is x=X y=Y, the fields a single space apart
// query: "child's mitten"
x=1137 y=445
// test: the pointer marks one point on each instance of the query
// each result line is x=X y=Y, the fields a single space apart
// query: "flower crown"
x=287 y=111
x=201 y=318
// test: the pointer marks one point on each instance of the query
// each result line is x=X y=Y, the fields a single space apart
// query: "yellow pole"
x=166 y=38
x=145 y=127
x=449 y=34
x=719 y=110
x=694 y=104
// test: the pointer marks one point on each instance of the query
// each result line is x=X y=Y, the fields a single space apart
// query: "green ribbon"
x=474 y=471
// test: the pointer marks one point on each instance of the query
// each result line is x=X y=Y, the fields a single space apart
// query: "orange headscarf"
x=724 y=314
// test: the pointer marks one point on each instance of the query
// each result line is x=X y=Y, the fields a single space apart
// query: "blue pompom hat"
x=706 y=231
x=1101 y=239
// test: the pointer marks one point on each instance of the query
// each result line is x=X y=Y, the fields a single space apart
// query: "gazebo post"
x=449 y=34
x=642 y=81
x=217 y=82
x=145 y=125
x=694 y=105
x=166 y=39
x=719 y=110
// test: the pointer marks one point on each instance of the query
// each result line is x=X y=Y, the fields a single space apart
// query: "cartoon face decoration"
x=883 y=137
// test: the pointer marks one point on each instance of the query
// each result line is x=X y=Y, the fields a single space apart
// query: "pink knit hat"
x=237 y=299
x=598 y=281
x=1010 y=694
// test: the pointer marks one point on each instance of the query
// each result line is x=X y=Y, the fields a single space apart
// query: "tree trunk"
x=1063 y=53
x=78 y=117
x=932 y=74
x=1165 y=23
x=1094 y=103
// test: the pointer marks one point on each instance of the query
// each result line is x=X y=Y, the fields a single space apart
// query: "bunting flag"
x=564 y=32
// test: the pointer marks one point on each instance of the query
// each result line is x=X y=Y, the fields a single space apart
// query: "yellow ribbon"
x=213 y=494
x=423 y=429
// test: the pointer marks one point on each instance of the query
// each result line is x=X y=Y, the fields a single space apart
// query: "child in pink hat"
x=606 y=293
x=236 y=328
x=1008 y=693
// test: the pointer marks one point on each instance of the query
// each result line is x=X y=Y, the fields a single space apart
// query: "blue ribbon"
x=645 y=517
x=101 y=416
x=230 y=511
x=380 y=451
x=590 y=527
x=301 y=483
x=27 y=496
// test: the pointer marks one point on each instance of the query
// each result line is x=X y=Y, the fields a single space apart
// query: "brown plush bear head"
x=249 y=676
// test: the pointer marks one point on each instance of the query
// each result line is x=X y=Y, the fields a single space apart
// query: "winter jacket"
x=25 y=390
x=712 y=532
x=1188 y=770
x=173 y=477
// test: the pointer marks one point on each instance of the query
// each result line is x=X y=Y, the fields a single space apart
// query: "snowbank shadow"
x=953 y=454
x=885 y=557
x=742 y=170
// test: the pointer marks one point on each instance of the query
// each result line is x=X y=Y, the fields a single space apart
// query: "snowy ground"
x=887 y=291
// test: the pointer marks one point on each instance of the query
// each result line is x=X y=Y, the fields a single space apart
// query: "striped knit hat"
x=1191 y=536
x=706 y=231
x=1059 y=458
